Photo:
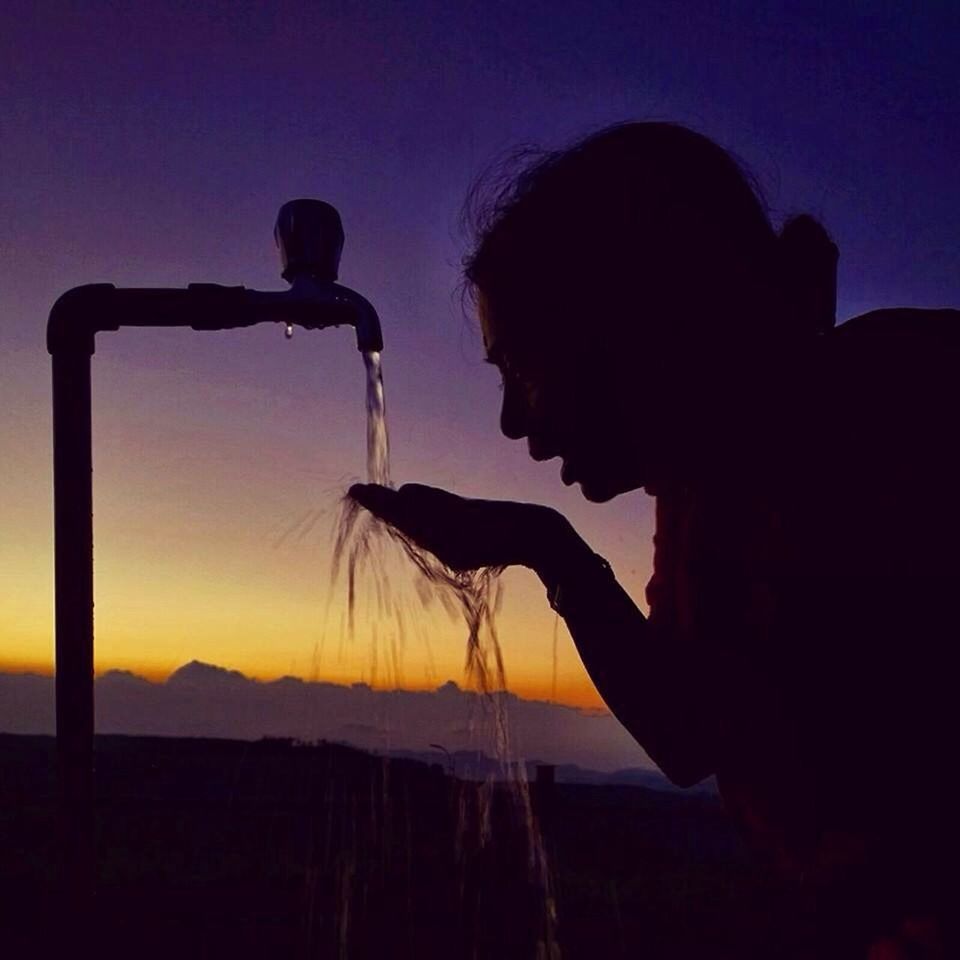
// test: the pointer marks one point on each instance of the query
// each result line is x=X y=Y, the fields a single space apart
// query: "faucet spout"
x=366 y=322
x=315 y=304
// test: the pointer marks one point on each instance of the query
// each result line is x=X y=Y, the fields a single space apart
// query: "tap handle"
x=310 y=237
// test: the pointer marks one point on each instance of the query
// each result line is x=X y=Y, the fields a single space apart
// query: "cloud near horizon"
x=203 y=700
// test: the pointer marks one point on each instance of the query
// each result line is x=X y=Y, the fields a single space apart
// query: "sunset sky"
x=151 y=144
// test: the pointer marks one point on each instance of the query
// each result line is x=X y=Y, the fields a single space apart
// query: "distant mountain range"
x=447 y=725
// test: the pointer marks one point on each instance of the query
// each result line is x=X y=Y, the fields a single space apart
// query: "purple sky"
x=152 y=144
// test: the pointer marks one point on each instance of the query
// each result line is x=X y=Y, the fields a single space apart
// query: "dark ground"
x=213 y=848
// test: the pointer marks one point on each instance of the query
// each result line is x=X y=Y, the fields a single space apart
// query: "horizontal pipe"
x=81 y=313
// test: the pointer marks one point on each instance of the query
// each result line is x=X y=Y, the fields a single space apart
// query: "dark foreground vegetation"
x=213 y=848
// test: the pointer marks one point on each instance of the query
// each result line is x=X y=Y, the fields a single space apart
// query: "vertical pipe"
x=73 y=566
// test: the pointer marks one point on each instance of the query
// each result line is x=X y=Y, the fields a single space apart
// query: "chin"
x=600 y=491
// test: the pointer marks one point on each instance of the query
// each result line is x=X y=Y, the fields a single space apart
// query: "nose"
x=513 y=413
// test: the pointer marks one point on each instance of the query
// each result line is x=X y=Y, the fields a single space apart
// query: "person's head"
x=625 y=288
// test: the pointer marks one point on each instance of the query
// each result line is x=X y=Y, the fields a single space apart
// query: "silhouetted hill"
x=196 y=673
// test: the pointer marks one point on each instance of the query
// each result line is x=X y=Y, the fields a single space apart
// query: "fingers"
x=427 y=515
x=413 y=496
x=380 y=501
x=465 y=534
x=421 y=500
x=411 y=508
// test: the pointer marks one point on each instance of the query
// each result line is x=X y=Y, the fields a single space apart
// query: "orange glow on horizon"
x=582 y=696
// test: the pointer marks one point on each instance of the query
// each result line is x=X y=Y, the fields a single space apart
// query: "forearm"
x=664 y=695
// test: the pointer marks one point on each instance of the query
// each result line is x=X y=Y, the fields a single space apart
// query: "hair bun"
x=808 y=274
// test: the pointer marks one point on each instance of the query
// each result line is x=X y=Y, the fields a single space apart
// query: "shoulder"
x=901 y=323
x=906 y=338
x=891 y=370
x=880 y=472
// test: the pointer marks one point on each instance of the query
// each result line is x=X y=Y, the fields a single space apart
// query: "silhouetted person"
x=654 y=331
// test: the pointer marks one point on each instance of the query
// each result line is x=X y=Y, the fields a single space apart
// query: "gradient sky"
x=152 y=144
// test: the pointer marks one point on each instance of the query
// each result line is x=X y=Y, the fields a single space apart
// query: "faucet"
x=309 y=234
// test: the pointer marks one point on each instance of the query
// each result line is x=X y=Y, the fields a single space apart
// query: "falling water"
x=364 y=550
x=378 y=442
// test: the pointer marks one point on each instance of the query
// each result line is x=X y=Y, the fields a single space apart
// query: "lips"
x=540 y=451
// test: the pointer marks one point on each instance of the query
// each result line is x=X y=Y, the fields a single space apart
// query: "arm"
x=665 y=694
x=663 y=679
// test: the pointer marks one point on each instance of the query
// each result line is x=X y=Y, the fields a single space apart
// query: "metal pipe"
x=310 y=237
x=81 y=313
x=73 y=575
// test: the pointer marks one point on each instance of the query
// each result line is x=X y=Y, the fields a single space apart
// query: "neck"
x=736 y=426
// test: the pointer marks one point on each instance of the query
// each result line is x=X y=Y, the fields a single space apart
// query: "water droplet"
x=288 y=332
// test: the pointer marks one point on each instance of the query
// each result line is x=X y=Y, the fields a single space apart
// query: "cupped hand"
x=464 y=534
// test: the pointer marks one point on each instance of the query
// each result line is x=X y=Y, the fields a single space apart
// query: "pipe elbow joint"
x=77 y=316
x=367 y=325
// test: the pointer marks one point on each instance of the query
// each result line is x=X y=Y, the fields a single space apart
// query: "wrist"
x=558 y=552
x=577 y=580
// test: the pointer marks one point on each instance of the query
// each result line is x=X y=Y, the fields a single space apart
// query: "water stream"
x=378 y=440
x=395 y=584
